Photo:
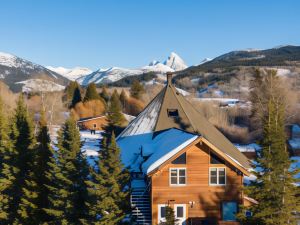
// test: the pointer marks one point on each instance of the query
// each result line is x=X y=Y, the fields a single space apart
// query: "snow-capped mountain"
x=14 y=71
x=107 y=76
x=172 y=64
x=71 y=74
x=175 y=62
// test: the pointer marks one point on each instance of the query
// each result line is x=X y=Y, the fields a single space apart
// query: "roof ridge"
x=174 y=92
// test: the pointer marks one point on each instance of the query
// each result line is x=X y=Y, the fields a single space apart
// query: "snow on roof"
x=295 y=143
x=146 y=120
x=295 y=128
x=160 y=146
x=90 y=118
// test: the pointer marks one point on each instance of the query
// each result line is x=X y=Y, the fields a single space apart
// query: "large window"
x=217 y=176
x=177 y=176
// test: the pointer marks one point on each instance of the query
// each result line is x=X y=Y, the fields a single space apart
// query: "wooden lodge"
x=92 y=123
x=178 y=159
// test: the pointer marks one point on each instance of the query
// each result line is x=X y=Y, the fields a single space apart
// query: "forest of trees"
x=275 y=188
x=52 y=183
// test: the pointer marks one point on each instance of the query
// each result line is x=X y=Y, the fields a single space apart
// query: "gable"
x=205 y=144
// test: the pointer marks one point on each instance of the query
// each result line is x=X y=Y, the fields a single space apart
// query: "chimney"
x=169 y=77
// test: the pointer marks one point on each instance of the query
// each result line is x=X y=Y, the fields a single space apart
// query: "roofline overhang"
x=212 y=147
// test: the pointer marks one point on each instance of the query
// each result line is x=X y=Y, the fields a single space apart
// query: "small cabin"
x=92 y=123
x=178 y=159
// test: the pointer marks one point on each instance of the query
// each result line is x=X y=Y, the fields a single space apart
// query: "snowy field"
x=90 y=142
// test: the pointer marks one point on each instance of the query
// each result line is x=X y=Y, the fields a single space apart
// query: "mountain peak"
x=175 y=62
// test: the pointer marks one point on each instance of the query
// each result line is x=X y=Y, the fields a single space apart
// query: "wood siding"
x=207 y=199
x=100 y=122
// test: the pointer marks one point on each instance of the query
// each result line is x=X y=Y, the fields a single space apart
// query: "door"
x=229 y=210
x=180 y=214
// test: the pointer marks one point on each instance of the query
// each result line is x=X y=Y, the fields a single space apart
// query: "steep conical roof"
x=169 y=109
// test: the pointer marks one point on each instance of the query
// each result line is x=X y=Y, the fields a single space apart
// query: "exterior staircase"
x=140 y=202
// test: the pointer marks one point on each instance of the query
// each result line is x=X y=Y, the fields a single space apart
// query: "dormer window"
x=172 y=112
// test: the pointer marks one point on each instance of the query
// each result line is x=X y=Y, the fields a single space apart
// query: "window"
x=229 y=210
x=94 y=125
x=215 y=159
x=217 y=176
x=180 y=159
x=177 y=176
x=172 y=112
x=162 y=213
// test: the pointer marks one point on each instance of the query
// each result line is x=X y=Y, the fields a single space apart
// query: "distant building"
x=178 y=159
x=92 y=123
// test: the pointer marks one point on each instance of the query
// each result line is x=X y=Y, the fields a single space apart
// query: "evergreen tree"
x=123 y=99
x=104 y=94
x=44 y=158
x=6 y=168
x=76 y=97
x=91 y=93
x=69 y=196
x=22 y=192
x=115 y=117
x=137 y=89
x=69 y=91
x=108 y=186
x=170 y=217
x=274 y=188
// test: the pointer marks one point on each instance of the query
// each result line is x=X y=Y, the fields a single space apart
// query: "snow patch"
x=39 y=85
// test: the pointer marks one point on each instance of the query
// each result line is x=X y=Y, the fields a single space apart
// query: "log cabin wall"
x=93 y=124
x=207 y=198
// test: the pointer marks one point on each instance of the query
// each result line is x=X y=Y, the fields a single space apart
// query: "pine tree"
x=22 y=190
x=6 y=168
x=76 y=97
x=104 y=94
x=115 y=117
x=136 y=89
x=91 y=93
x=108 y=185
x=44 y=158
x=69 y=196
x=123 y=99
x=170 y=217
x=274 y=188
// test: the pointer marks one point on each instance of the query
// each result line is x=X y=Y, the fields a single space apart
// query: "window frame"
x=217 y=184
x=177 y=168
x=159 y=218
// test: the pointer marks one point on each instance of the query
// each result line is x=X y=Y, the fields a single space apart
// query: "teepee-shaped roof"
x=169 y=109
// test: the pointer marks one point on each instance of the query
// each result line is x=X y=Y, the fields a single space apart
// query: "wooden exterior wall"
x=100 y=122
x=207 y=198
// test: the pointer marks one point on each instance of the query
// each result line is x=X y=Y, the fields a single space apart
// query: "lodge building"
x=178 y=159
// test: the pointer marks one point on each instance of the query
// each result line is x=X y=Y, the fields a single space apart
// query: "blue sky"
x=96 y=33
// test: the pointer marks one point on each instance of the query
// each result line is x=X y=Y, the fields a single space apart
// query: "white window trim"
x=210 y=168
x=159 y=219
x=177 y=168
x=184 y=211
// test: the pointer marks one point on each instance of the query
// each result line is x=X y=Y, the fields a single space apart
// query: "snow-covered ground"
x=91 y=142
x=37 y=85
x=252 y=147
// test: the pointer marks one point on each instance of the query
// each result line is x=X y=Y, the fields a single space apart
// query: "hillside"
x=15 y=71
